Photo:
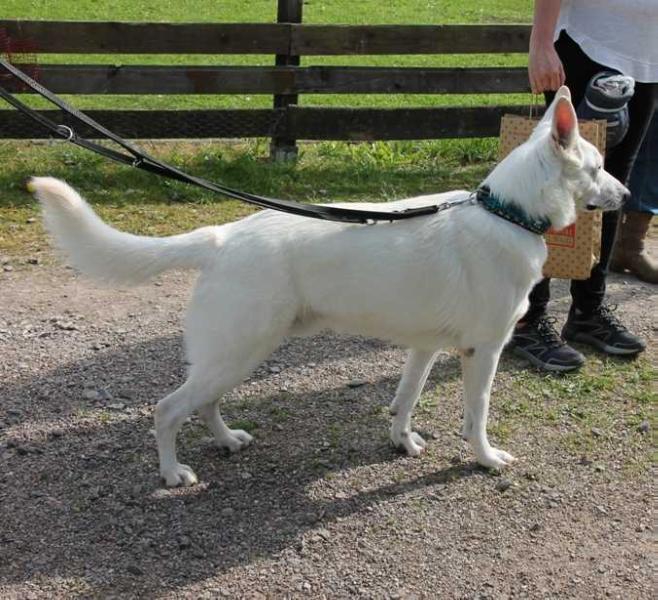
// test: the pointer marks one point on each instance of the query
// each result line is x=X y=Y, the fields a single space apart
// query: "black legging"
x=588 y=294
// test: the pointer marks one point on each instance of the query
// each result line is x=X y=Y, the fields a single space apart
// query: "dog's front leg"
x=415 y=373
x=479 y=367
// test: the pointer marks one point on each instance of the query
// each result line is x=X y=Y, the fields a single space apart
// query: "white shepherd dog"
x=459 y=278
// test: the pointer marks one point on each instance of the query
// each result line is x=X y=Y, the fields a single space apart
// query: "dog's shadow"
x=81 y=499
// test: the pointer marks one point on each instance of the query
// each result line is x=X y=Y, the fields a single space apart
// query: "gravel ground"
x=319 y=506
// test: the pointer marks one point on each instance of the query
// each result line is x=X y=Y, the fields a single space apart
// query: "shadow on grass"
x=325 y=172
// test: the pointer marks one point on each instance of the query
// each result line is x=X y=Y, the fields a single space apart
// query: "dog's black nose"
x=626 y=198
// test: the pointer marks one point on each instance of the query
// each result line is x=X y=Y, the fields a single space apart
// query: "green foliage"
x=426 y=12
x=316 y=11
x=142 y=203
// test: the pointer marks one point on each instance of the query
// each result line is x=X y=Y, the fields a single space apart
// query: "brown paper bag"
x=573 y=251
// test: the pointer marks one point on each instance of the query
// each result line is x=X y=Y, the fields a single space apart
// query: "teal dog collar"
x=510 y=212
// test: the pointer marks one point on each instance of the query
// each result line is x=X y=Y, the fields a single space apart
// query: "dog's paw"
x=494 y=458
x=409 y=441
x=236 y=440
x=179 y=475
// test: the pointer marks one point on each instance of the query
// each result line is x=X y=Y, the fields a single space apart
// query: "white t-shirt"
x=621 y=34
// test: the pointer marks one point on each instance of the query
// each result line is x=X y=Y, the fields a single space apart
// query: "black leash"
x=136 y=157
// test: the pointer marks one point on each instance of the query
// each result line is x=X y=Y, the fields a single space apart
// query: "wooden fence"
x=287 y=40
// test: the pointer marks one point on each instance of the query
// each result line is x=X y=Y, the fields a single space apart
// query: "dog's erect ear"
x=565 y=123
x=563 y=92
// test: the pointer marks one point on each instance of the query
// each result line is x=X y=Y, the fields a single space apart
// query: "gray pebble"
x=356 y=383
x=134 y=570
x=66 y=326
x=91 y=394
x=184 y=542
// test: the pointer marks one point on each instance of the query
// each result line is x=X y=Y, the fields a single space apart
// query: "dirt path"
x=319 y=507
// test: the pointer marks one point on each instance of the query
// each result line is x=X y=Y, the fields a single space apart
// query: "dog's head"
x=581 y=178
x=556 y=172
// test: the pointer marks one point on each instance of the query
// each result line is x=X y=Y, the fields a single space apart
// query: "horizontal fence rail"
x=408 y=39
x=285 y=81
x=103 y=79
x=299 y=122
x=94 y=37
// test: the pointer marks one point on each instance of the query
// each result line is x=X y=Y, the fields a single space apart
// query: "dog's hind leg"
x=171 y=412
x=206 y=384
x=201 y=392
x=231 y=439
x=216 y=369
x=478 y=368
x=416 y=370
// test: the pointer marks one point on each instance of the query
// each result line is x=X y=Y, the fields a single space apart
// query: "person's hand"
x=545 y=70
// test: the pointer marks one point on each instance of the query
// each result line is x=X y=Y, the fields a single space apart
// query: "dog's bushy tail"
x=112 y=256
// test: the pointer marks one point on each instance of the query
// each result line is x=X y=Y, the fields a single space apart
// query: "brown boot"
x=630 y=253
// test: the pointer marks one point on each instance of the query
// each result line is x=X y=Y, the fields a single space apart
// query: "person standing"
x=571 y=41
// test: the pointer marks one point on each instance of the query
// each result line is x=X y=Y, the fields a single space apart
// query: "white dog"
x=459 y=278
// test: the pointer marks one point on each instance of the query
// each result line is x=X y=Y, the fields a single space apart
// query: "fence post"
x=284 y=148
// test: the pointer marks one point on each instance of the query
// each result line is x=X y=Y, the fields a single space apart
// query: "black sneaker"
x=539 y=342
x=603 y=330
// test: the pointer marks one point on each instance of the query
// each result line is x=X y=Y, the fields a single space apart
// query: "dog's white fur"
x=459 y=279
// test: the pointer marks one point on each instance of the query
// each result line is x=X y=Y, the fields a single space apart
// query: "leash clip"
x=66 y=131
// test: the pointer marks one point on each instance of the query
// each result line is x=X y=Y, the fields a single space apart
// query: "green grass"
x=329 y=171
x=253 y=11
x=592 y=412
x=427 y=12
x=142 y=203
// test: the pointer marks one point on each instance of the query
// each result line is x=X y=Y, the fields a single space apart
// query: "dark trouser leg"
x=539 y=297
x=588 y=294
